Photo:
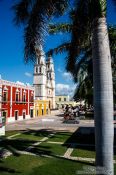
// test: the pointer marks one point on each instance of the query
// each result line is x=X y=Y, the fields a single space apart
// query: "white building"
x=44 y=78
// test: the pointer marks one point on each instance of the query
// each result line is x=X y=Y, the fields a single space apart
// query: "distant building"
x=17 y=102
x=44 y=78
x=63 y=100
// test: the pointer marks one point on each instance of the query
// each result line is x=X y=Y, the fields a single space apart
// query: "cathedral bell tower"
x=50 y=81
x=40 y=74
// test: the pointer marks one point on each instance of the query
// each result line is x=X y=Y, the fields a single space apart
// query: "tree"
x=90 y=17
x=34 y=15
x=83 y=74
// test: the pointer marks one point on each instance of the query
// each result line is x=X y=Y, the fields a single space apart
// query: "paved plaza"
x=53 y=121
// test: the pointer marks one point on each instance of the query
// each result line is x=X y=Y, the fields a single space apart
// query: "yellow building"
x=63 y=100
x=41 y=107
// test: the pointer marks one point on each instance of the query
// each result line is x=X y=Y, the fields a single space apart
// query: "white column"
x=11 y=102
x=2 y=129
x=28 y=101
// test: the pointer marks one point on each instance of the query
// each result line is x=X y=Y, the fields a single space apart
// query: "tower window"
x=64 y=99
x=40 y=69
x=38 y=60
x=59 y=99
x=36 y=69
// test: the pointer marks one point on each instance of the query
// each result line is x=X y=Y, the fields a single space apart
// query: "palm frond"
x=80 y=33
x=83 y=90
x=56 y=28
x=37 y=21
x=60 y=49
x=112 y=38
x=22 y=11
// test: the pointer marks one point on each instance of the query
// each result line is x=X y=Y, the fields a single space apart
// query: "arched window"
x=38 y=61
x=24 y=96
x=40 y=69
x=36 y=70
x=32 y=97
x=17 y=95
x=5 y=94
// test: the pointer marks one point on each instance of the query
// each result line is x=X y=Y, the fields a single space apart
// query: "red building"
x=17 y=101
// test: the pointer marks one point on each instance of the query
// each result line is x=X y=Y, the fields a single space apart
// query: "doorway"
x=16 y=115
x=42 y=112
x=24 y=114
x=31 y=113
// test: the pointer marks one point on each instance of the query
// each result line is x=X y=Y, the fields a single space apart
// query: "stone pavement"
x=54 y=122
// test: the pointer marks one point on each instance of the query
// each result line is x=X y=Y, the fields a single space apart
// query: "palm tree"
x=83 y=66
x=90 y=17
x=93 y=19
x=35 y=14
x=94 y=22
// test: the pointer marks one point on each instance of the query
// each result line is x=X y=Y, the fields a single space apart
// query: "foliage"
x=35 y=14
x=82 y=70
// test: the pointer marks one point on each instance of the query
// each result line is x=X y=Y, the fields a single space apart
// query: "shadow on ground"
x=8 y=170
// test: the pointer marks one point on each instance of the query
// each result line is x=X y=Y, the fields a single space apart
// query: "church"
x=44 y=78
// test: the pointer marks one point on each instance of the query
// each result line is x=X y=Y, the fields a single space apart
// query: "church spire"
x=40 y=55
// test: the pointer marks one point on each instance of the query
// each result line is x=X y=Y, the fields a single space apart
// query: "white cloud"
x=67 y=76
x=28 y=84
x=21 y=83
x=65 y=89
x=59 y=70
x=24 y=84
x=28 y=74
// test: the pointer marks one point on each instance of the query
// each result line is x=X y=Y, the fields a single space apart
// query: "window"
x=59 y=99
x=36 y=69
x=64 y=99
x=31 y=98
x=17 y=96
x=5 y=96
x=24 y=97
x=38 y=61
x=4 y=114
x=40 y=69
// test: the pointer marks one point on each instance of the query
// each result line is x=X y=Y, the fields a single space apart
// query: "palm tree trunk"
x=103 y=97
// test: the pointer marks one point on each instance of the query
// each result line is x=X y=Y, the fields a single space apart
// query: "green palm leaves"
x=35 y=15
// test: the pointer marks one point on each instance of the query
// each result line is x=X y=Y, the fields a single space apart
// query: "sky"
x=12 y=66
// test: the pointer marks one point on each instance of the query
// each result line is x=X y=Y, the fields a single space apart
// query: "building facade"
x=63 y=100
x=17 y=101
x=44 y=78
x=41 y=107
